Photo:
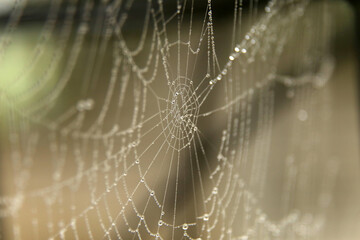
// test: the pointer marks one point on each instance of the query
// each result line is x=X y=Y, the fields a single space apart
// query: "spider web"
x=156 y=120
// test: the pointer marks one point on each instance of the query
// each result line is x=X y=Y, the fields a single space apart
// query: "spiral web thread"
x=164 y=133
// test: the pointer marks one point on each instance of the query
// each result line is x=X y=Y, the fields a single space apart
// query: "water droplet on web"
x=80 y=106
x=302 y=115
x=215 y=191
x=185 y=227
x=160 y=223
x=262 y=218
x=237 y=49
x=243 y=50
x=231 y=58
x=206 y=217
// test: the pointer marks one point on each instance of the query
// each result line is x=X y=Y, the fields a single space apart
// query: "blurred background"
x=114 y=122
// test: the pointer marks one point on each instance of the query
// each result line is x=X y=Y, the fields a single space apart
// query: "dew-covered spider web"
x=185 y=119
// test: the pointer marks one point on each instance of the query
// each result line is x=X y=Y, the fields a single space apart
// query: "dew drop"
x=185 y=227
x=302 y=115
x=262 y=218
x=80 y=106
x=160 y=223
